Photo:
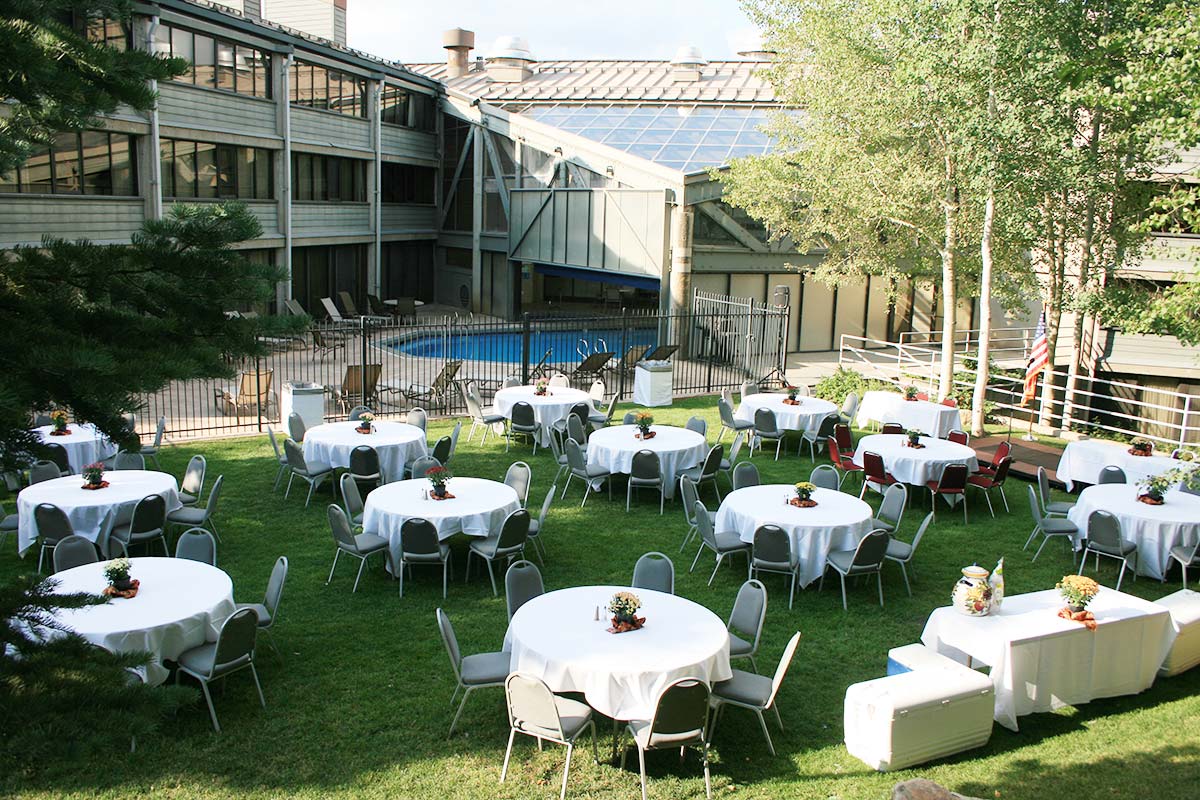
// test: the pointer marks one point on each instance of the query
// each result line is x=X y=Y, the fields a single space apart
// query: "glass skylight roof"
x=688 y=138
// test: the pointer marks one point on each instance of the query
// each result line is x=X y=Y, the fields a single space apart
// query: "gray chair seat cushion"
x=744 y=687
x=596 y=471
x=492 y=419
x=357 y=519
x=1059 y=506
x=1183 y=554
x=739 y=646
x=1058 y=526
x=640 y=730
x=315 y=468
x=188 y=516
x=370 y=543
x=778 y=566
x=188 y=499
x=693 y=472
x=1121 y=551
x=260 y=611
x=840 y=559
x=484 y=668
x=428 y=558
x=898 y=550
x=730 y=540
x=572 y=717
x=878 y=523
x=199 y=659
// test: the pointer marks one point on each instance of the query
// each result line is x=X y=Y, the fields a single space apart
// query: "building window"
x=113 y=33
x=406 y=183
x=328 y=178
x=90 y=163
x=210 y=171
x=324 y=271
x=407 y=269
x=329 y=90
x=216 y=63
x=409 y=109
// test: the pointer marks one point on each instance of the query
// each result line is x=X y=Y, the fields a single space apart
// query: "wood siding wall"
x=24 y=219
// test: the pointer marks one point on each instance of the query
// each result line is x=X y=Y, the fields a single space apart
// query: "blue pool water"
x=505 y=346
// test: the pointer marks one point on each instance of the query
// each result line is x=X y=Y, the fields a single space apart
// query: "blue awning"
x=600 y=276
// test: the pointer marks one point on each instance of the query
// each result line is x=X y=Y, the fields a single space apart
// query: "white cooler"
x=935 y=710
x=305 y=399
x=1184 y=606
x=653 y=383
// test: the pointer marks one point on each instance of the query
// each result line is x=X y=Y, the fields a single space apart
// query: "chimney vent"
x=687 y=65
x=510 y=60
x=458 y=44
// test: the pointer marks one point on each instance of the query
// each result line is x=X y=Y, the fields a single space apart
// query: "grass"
x=359 y=705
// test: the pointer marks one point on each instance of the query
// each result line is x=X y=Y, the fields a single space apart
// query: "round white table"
x=93 y=512
x=912 y=466
x=1082 y=461
x=934 y=419
x=678 y=449
x=180 y=604
x=84 y=445
x=805 y=417
x=556 y=637
x=837 y=522
x=1155 y=529
x=397 y=444
x=547 y=409
x=478 y=508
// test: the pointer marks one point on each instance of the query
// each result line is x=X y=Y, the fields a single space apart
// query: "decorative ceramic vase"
x=972 y=595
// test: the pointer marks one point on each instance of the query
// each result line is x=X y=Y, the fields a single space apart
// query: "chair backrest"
x=893 y=427
x=451 y=643
x=522 y=583
x=925 y=523
x=785 y=661
x=597 y=391
x=418 y=417
x=352 y=381
x=474 y=407
x=159 y=430
x=772 y=543
x=150 y=514
x=42 y=420
x=958 y=437
x=727 y=396
x=1104 y=528
x=749 y=611
x=748 y=387
x=214 y=496
x=74 y=551
x=736 y=448
x=296 y=426
x=275 y=584
x=510 y=383
x=419 y=537
x=703 y=523
x=1035 y=508
x=126 y=460
x=682 y=708
x=698 y=425
x=294 y=308
x=339 y=525
x=1112 y=474
x=953 y=478
x=873 y=467
x=850 y=405
x=559 y=380
x=193 y=476
x=689 y=495
x=745 y=474
x=376 y=305
x=646 y=466
x=765 y=422
x=894 y=500
x=515 y=530
x=575 y=428
x=633 y=355
x=835 y=454
x=441 y=449
x=351 y=496
x=254 y=387
x=712 y=462
x=58 y=454
x=841 y=435
x=522 y=415
x=546 y=503
x=575 y=458
x=44 y=471
x=725 y=410
x=827 y=427
x=1043 y=483
x=52 y=522
x=364 y=461
x=423 y=465
x=871 y=549
x=630 y=418
x=348 y=306
x=825 y=476
x=357 y=412
x=1002 y=468
x=580 y=411
x=531 y=706
x=519 y=476
x=654 y=571
x=235 y=642
x=454 y=432
x=197 y=544
x=1002 y=451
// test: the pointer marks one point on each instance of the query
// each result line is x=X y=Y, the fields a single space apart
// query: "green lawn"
x=360 y=705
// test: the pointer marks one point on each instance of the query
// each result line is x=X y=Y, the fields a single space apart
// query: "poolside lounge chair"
x=332 y=310
x=662 y=352
x=437 y=393
x=352 y=310
x=253 y=394
x=326 y=341
x=633 y=355
x=358 y=386
x=293 y=307
x=591 y=367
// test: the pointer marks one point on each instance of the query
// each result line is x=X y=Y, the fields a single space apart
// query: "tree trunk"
x=985 y=316
x=1056 y=268
x=949 y=295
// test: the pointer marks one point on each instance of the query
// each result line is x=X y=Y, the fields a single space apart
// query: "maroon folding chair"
x=874 y=471
x=958 y=437
x=893 y=427
x=845 y=442
x=841 y=460
x=953 y=482
x=994 y=481
x=1001 y=453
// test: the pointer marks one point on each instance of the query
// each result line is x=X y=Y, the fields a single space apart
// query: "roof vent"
x=458 y=44
x=510 y=60
x=687 y=64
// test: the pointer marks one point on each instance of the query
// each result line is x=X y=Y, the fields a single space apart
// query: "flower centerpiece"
x=541 y=388
x=1141 y=446
x=792 y=392
x=1183 y=455
x=116 y=572
x=364 y=422
x=914 y=438
x=438 y=477
x=643 y=420
x=58 y=418
x=1155 y=486
x=1078 y=591
x=93 y=476
x=803 y=498
x=623 y=606
x=910 y=393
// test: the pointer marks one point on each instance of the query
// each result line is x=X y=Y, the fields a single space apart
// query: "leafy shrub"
x=835 y=387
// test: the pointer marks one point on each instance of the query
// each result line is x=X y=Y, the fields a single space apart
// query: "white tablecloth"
x=85 y=445
x=93 y=512
x=678 y=449
x=547 y=409
x=397 y=444
x=1082 y=461
x=805 y=417
x=557 y=638
x=912 y=466
x=933 y=419
x=478 y=508
x=180 y=604
x=1155 y=529
x=1041 y=662
x=837 y=523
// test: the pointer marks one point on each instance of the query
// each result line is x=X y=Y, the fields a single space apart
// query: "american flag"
x=1039 y=359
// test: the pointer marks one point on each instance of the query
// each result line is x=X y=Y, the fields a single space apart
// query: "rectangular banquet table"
x=932 y=419
x=1041 y=662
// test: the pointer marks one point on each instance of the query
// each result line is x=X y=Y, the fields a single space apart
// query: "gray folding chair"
x=200 y=517
x=522 y=583
x=654 y=571
x=728 y=421
x=509 y=542
x=891 y=510
x=280 y=458
x=577 y=430
x=825 y=476
x=193 y=479
x=150 y=451
x=441 y=449
x=698 y=425
x=1050 y=508
x=232 y=652
x=361 y=546
x=518 y=477
x=522 y=421
x=680 y=719
x=197 y=544
x=74 y=551
x=865 y=559
x=735 y=450
x=267 y=611
x=58 y=454
x=722 y=543
x=708 y=469
x=418 y=418
x=1104 y=538
x=479 y=417
x=351 y=499
x=902 y=552
x=454 y=434
x=313 y=473
x=356 y=413
x=773 y=553
x=745 y=474
x=766 y=428
x=419 y=544
x=478 y=671
x=746 y=621
x=149 y=522
x=1049 y=527
x=1111 y=474
x=129 y=461
x=537 y=526
x=1187 y=556
x=422 y=465
x=296 y=427
x=645 y=472
x=53 y=525
x=818 y=436
x=588 y=473
x=689 y=495
x=536 y=711
x=44 y=471
x=849 y=409
x=756 y=693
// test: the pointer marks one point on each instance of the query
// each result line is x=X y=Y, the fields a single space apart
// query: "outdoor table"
x=933 y=419
x=557 y=638
x=93 y=512
x=1082 y=461
x=915 y=467
x=397 y=444
x=805 y=417
x=478 y=508
x=85 y=444
x=678 y=449
x=837 y=522
x=1041 y=662
x=1155 y=529
x=180 y=604
x=552 y=407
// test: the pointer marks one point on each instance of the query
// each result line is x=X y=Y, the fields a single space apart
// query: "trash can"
x=653 y=383
x=306 y=399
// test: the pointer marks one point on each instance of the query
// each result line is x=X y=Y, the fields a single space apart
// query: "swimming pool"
x=567 y=347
